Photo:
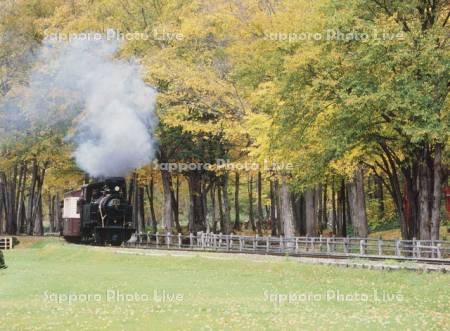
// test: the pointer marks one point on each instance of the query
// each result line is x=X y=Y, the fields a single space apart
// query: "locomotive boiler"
x=99 y=213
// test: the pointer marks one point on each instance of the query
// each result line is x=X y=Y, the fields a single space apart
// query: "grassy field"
x=208 y=292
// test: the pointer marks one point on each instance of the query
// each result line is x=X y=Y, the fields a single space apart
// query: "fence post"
x=345 y=246
x=157 y=239
x=361 y=247
x=418 y=249
x=220 y=240
x=240 y=243
x=414 y=248
x=191 y=240
x=438 y=251
x=168 y=239
x=148 y=238
x=227 y=239
x=281 y=243
x=334 y=243
x=296 y=244
x=380 y=247
x=231 y=241
x=202 y=239
x=255 y=242
x=320 y=243
x=312 y=243
x=397 y=248
x=179 y=240
x=267 y=244
x=328 y=245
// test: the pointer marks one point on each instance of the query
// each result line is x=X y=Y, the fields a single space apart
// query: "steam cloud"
x=106 y=98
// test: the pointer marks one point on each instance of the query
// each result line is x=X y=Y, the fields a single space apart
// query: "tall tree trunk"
x=19 y=197
x=311 y=226
x=11 y=227
x=31 y=193
x=135 y=202
x=361 y=215
x=333 y=207
x=3 y=206
x=425 y=178
x=286 y=203
x=273 y=219
x=141 y=208
x=279 y=219
x=20 y=200
x=259 y=203
x=351 y=195
x=406 y=202
x=150 y=189
x=58 y=213
x=213 y=207
x=250 y=203
x=357 y=204
x=38 y=228
x=38 y=224
x=300 y=214
x=226 y=206
x=220 y=203
x=298 y=206
x=174 y=194
x=197 y=220
x=341 y=211
x=205 y=189
x=319 y=207
x=51 y=209
x=437 y=192
x=237 y=221
x=167 y=209
x=324 y=222
x=379 y=195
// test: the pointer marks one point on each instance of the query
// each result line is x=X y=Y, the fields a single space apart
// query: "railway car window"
x=70 y=209
x=79 y=205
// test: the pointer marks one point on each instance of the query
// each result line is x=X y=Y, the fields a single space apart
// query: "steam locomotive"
x=98 y=213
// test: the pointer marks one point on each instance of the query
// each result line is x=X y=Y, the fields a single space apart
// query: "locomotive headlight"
x=117 y=188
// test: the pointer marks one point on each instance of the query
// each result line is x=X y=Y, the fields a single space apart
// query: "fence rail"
x=331 y=246
x=6 y=243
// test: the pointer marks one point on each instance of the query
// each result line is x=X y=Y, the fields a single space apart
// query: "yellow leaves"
x=348 y=164
x=302 y=57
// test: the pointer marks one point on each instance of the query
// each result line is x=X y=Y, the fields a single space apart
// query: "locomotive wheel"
x=99 y=238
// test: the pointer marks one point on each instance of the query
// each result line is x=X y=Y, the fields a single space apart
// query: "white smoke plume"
x=107 y=99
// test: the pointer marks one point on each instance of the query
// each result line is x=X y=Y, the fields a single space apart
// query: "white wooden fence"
x=6 y=243
x=332 y=246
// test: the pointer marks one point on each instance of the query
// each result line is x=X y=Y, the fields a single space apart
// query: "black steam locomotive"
x=99 y=212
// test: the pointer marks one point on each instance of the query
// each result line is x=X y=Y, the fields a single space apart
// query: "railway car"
x=99 y=213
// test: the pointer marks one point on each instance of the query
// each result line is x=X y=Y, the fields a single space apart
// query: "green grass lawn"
x=214 y=293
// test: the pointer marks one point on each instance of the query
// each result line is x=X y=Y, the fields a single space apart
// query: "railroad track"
x=318 y=255
x=280 y=247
